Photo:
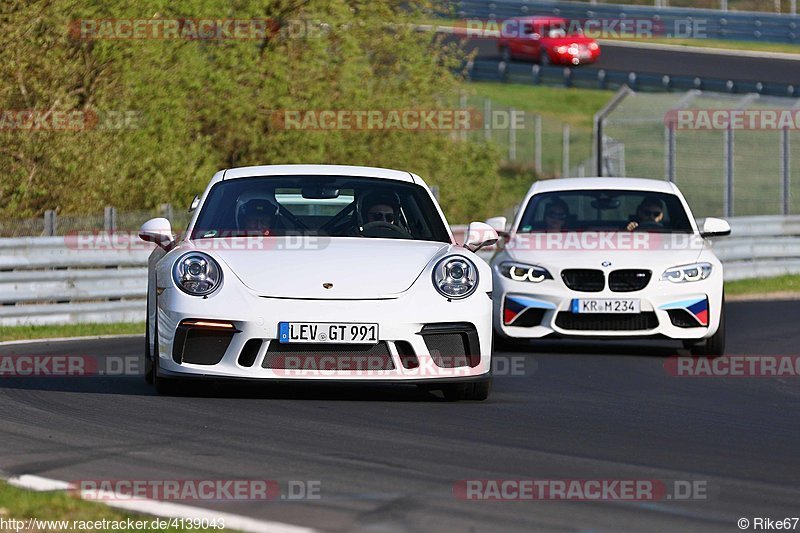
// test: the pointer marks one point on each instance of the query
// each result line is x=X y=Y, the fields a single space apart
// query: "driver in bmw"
x=650 y=212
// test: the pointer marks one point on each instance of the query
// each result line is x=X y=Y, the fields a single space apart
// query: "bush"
x=196 y=106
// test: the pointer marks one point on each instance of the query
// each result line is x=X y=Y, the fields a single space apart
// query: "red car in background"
x=548 y=40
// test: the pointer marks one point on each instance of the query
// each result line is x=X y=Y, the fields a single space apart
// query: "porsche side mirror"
x=479 y=234
x=715 y=227
x=157 y=230
x=195 y=203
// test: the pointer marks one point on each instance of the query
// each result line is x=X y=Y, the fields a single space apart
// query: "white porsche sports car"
x=609 y=258
x=319 y=272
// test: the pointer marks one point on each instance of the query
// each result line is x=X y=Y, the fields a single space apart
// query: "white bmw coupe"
x=319 y=272
x=609 y=258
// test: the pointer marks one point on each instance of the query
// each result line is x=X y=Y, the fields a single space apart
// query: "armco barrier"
x=49 y=280
x=676 y=22
x=44 y=280
x=518 y=72
x=760 y=247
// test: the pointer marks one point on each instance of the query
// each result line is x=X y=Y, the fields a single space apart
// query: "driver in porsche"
x=380 y=207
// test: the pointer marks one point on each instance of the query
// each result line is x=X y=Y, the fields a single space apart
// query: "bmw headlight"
x=684 y=273
x=455 y=277
x=523 y=272
x=197 y=274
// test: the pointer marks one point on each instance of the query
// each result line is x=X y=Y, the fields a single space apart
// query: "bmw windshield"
x=605 y=210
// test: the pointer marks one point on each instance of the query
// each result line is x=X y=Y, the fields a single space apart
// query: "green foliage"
x=198 y=106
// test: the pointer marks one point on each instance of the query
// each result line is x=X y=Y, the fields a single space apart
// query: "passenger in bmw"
x=555 y=215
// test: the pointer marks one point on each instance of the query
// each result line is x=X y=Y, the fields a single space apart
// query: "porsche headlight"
x=455 y=277
x=523 y=272
x=197 y=274
x=684 y=273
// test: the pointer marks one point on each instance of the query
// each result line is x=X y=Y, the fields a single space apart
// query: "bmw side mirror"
x=480 y=234
x=157 y=230
x=715 y=227
x=498 y=224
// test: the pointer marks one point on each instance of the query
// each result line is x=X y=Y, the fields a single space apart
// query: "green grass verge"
x=13 y=333
x=778 y=284
x=23 y=504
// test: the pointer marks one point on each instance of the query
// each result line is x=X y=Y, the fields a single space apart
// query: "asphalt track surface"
x=673 y=63
x=387 y=457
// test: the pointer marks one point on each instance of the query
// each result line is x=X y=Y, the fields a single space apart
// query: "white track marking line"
x=162 y=509
x=39 y=484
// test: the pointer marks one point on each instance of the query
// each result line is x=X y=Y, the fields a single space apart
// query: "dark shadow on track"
x=640 y=348
x=135 y=386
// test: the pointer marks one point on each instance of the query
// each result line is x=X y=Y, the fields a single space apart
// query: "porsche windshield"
x=319 y=206
x=605 y=210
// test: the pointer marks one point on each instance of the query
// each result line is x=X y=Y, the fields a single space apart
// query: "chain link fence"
x=111 y=220
x=725 y=152
x=549 y=146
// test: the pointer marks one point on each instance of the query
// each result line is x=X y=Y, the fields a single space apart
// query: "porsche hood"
x=330 y=268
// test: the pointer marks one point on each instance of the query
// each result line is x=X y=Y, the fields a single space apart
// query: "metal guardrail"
x=45 y=280
x=705 y=23
x=761 y=246
x=49 y=280
x=496 y=70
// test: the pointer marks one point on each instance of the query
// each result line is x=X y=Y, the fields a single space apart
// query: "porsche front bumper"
x=422 y=338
